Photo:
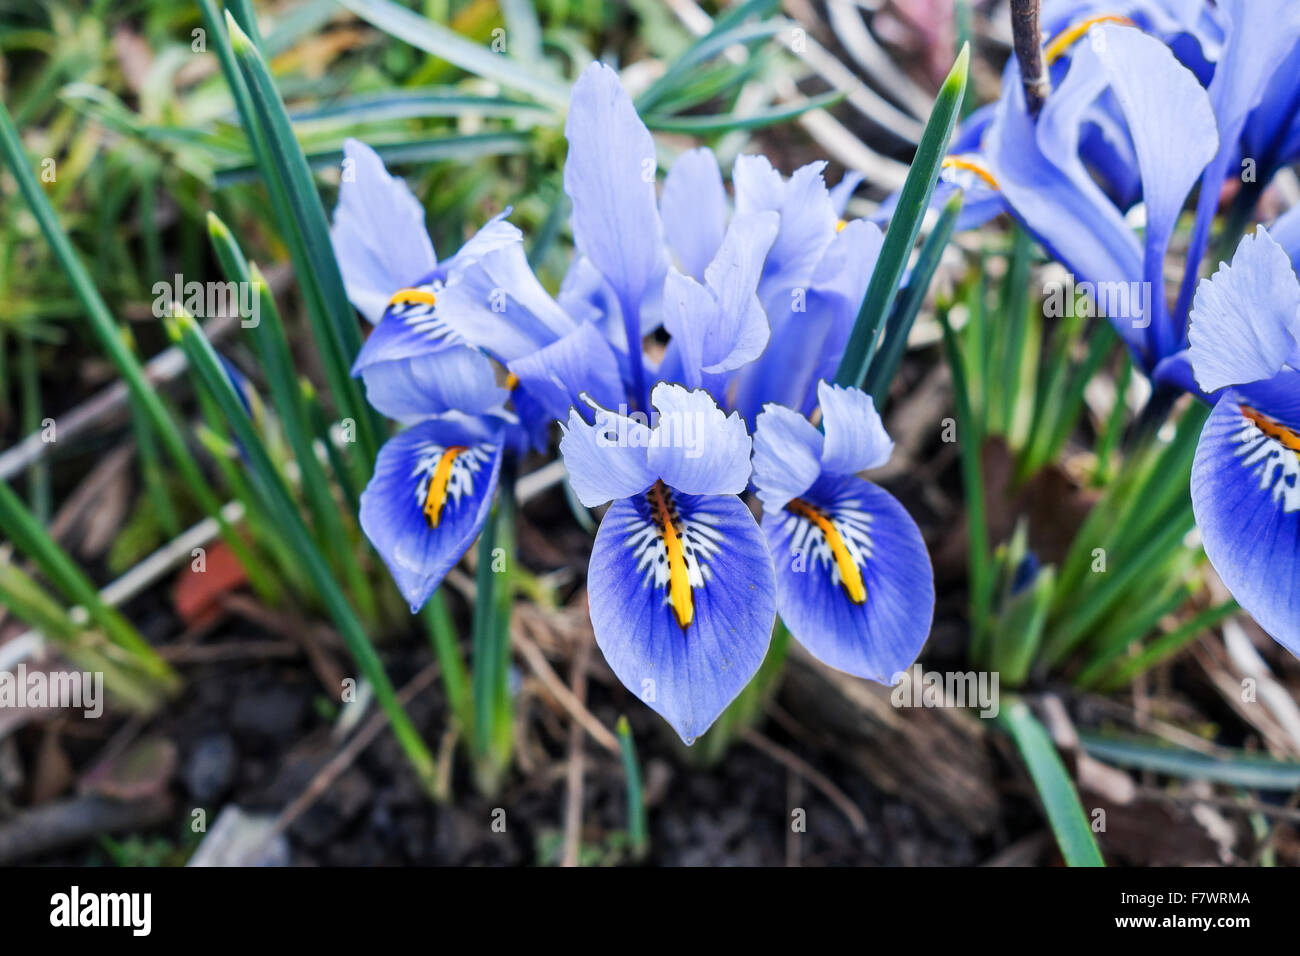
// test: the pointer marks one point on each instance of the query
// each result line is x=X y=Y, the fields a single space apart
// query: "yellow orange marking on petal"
x=512 y=381
x=1070 y=35
x=971 y=166
x=437 y=495
x=1275 y=430
x=850 y=576
x=839 y=226
x=403 y=296
x=679 y=583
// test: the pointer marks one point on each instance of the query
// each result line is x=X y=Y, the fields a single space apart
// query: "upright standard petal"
x=808 y=218
x=1245 y=319
x=681 y=595
x=1246 y=497
x=722 y=327
x=1285 y=231
x=688 y=309
x=429 y=495
x=842 y=191
x=694 y=209
x=741 y=331
x=1048 y=188
x=811 y=325
x=695 y=447
x=853 y=580
x=610 y=177
x=1173 y=129
x=856 y=439
x=378 y=232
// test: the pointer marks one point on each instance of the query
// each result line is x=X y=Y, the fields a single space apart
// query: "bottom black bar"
x=214 y=907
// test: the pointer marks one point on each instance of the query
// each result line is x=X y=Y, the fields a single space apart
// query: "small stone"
x=210 y=769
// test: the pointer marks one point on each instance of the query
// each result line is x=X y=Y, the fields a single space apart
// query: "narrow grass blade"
x=403 y=104
x=1239 y=769
x=904 y=226
x=636 y=822
x=301 y=218
x=277 y=365
x=728 y=30
x=1136 y=617
x=451 y=663
x=726 y=122
x=970 y=441
x=1108 y=440
x=441 y=42
x=493 y=724
x=1015 y=313
x=461 y=149
x=884 y=365
x=1132 y=570
x=85 y=648
x=1055 y=789
x=1019 y=631
x=1164 y=647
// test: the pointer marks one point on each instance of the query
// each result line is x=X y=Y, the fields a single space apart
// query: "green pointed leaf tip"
x=957 y=76
x=623 y=727
x=172 y=328
x=239 y=40
x=217 y=229
x=1065 y=814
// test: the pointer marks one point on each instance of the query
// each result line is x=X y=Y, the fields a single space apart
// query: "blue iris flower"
x=853 y=579
x=1245 y=352
x=680 y=582
x=433 y=483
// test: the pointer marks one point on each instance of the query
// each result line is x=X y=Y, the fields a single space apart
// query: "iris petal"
x=842 y=526
x=496 y=302
x=787 y=456
x=378 y=232
x=414 y=366
x=1174 y=136
x=808 y=218
x=610 y=177
x=581 y=361
x=606 y=460
x=694 y=209
x=697 y=448
x=856 y=439
x=430 y=493
x=1246 y=317
x=687 y=675
x=1246 y=497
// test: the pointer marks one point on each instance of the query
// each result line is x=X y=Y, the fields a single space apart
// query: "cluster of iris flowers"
x=757 y=294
